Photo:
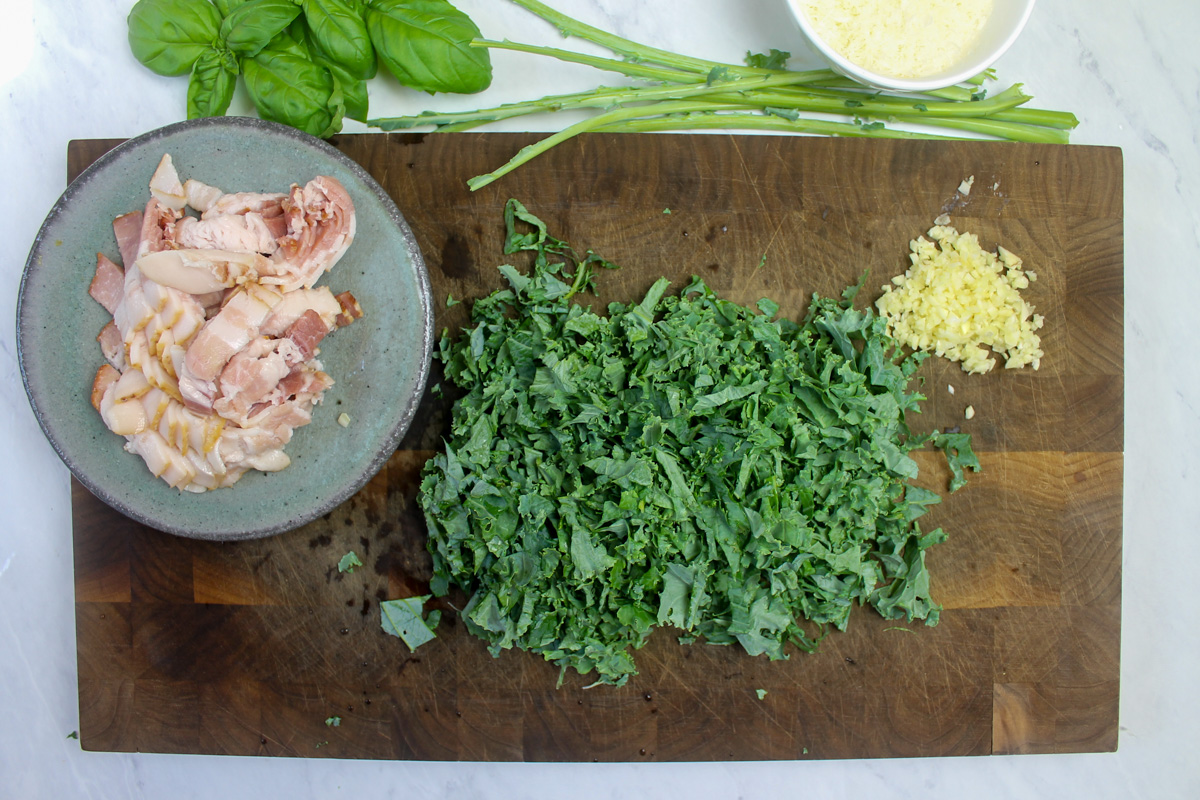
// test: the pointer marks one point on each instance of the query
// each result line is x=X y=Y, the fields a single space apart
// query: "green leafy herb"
x=761 y=693
x=289 y=89
x=348 y=562
x=168 y=36
x=776 y=59
x=73 y=735
x=426 y=44
x=250 y=27
x=341 y=34
x=402 y=618
x=683 y=462
x=306 y=63
x=333 y=722
x=210 y=90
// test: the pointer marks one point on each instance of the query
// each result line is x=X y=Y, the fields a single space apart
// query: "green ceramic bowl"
x=380 y=363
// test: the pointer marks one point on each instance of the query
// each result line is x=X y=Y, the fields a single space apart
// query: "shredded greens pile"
x=683 y=462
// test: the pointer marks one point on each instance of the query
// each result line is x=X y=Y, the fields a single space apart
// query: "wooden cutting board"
x=193 y=647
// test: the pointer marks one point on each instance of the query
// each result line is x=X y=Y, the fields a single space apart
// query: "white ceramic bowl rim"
x=981 y=62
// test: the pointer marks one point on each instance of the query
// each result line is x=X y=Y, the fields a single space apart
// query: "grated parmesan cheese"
x=900 y=38
x=957 y=298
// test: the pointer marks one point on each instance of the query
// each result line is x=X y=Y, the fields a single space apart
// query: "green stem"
x=600 y=98
x=808 y=99
x=618 y=114
x=1064 y=120
x=749 y=121
x=1010 y=131
x=631 y=68
x=630 y=49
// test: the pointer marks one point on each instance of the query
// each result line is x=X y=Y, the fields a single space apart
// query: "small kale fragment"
x=348 y=562
x=403 y=618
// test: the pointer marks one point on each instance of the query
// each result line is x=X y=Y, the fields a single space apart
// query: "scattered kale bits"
x=683 y=461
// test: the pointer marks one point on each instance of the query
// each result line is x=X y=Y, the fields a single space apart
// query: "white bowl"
x=1007 y=19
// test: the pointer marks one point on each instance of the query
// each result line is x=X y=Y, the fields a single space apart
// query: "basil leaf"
x=210 y=89
x=226 y=6
x=339 y=30
x=292 y=90
x=354 y=90
x=251 y=26
x=167 y=36
x=425 y=44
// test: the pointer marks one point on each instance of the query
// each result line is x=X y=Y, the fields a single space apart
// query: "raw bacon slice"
x=243 y=233
x=165 y=185
x=112 y=345
x=108 y=284
x=307 y=332
x=321 y=226
x=201 y=271
x=128 y=230
x=351 y=310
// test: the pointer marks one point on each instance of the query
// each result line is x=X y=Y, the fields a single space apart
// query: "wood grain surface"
x=194 y=647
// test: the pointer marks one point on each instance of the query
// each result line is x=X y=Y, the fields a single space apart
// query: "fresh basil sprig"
x=306 y=63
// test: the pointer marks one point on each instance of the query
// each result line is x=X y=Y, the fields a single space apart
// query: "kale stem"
x=808 y=99
x=603 y=98
x=741 y=120
x=631 y=68
x=639 y=69
x=630 y=49
x=618 y=114
x=1064 y=120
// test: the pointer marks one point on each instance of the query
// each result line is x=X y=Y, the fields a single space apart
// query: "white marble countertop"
x=1129 y=70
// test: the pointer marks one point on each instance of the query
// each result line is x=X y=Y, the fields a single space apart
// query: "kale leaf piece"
x=682 y=461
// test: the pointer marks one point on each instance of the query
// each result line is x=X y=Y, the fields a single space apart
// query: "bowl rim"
x=390 y=441
x=875 y=80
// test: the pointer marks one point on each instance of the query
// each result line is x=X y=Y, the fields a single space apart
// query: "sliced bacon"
x=112 y=345
x=201 y=196
x=106 y=377
x=165 y=185
x=244 y=233
x=128 y=230
x=321 y=225
x=268 y=204
x=351 y=310
x=295 y=303
x=200 y=271
x=108 y=284
x=234 y=326
x=158 y=228
x=307 y=332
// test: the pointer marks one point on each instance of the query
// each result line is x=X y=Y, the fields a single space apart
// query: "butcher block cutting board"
x=254 y=648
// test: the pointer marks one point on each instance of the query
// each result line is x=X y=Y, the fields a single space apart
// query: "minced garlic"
x=957 y=299
x=900 y=38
